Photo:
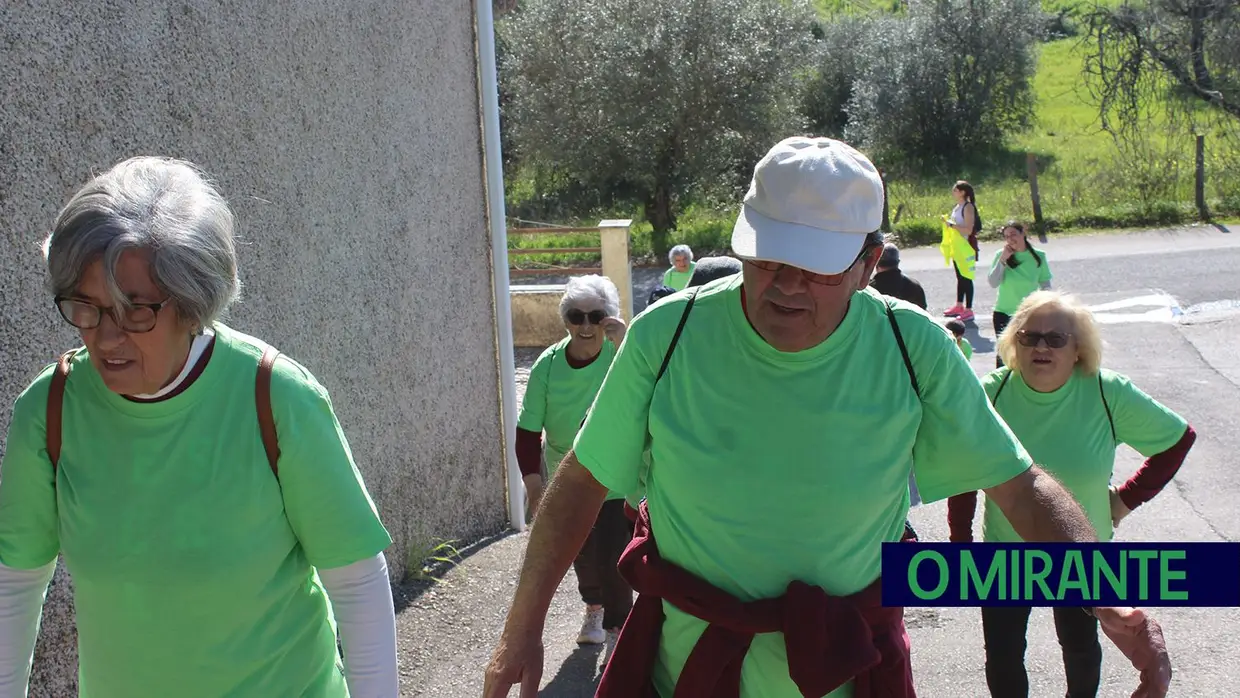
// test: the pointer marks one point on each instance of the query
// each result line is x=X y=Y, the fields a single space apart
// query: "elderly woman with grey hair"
x=562 y=385
x=196 y=482
x=678 y=275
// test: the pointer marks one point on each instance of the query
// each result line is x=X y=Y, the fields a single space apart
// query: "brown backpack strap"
x=266 y=419
x=55 y=400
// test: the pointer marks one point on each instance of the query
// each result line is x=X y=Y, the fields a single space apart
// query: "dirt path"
x=446 y=634
x=447 y=630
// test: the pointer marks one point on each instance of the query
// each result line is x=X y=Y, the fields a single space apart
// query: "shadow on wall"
x=419 y=582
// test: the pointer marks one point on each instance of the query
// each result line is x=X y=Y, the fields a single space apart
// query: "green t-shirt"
x=678 y=279
x=557 y=397
x=1018 y=283
x=193 y=569
x=769 y=467
x=1068 y=435
x=966 y=347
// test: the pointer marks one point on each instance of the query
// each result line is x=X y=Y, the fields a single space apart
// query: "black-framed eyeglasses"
x=579 y=317
x=1054 y=340
x=814 y=277
x=137 y=318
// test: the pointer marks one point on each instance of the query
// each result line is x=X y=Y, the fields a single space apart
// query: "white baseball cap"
x=810 y=205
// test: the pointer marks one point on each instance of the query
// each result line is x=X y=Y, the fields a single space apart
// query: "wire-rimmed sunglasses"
x=814 y=277
x=1054 y=340
x=138 y=318
x=579 y=317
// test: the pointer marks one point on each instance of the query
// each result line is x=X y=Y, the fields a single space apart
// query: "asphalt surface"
x=1170 y=305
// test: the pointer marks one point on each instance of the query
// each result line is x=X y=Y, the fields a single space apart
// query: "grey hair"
x=680 y=251
x=591 y=287
x=161 y=205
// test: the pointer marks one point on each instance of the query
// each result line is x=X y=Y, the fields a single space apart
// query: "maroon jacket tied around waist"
x=830 y=639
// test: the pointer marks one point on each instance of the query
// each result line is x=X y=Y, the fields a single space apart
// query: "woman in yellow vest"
x=960 y=248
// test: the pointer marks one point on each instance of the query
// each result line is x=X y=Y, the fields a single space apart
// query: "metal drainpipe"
x=488 y=102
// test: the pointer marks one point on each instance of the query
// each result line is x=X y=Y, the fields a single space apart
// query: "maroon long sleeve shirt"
x=830 y=640
x=529 y=443
x=1144 y=485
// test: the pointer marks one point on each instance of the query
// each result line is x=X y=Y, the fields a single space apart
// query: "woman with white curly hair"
x=561 y=388
x=677 y=276
x=196 y=481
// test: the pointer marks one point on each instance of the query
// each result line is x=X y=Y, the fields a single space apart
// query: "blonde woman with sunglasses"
x=1071 y=415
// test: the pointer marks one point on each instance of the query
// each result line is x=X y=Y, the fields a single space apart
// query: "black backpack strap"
x=1105 y=406
x=1002 y=383
x=908 y=363
x=671 y=347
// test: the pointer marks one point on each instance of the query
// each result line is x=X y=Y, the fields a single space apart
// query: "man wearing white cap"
x=782 y=482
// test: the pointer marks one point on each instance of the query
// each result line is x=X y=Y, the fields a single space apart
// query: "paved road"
x=1172 y=320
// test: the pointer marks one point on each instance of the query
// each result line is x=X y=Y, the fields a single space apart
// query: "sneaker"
x=965 y=315
x=953 y=311
x=612 y=636
x=592 y=629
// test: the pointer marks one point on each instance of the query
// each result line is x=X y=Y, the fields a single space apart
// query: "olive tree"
x=644 y=100
x=945 y=77
x=1168 y=56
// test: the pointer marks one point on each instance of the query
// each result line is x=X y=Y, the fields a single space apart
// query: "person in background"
x=759 y=523
x=658 y=293
x=562 y=384
x=957 y=328
x=709 y=269
x=681 y=259
x=890 y=281
x=200 y=536
x=1017 y=271
x=1071 y=414
x=960 y=247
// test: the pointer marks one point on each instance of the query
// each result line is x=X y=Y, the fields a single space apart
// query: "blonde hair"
x=1084 y=329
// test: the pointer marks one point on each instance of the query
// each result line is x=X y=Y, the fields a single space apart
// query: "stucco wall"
x=347 y=138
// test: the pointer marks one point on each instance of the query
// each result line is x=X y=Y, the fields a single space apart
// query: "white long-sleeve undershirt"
x=361 y=598
x=21 y=603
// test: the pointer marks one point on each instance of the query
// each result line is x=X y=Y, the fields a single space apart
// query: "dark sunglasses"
x=1054 y=340
x=578 y=317
x=812 y=277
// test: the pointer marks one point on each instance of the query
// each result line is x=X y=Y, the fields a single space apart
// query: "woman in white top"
x=965 y=220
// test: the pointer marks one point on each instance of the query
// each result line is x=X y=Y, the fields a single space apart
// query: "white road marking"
x=1158 y=307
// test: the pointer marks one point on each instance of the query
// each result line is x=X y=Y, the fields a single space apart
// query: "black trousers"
x=598 y=580
x=964 y=288
x=1004 y=631
x=1000 y=321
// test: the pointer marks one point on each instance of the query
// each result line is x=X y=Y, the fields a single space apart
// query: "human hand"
x=518 y=659
x=614 y=329
x=1140 y=638
x=1118 y=509
x=533 y=491
x=1007 y=253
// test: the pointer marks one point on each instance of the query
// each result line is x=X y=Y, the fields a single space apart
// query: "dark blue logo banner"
x=1061 y=574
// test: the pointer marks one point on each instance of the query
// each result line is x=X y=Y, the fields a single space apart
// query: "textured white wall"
x=347 y=138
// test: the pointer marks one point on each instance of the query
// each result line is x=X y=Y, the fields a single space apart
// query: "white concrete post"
x=617 y=264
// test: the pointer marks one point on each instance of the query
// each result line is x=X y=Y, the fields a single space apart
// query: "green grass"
x=427 y=561
x=1083 y=179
